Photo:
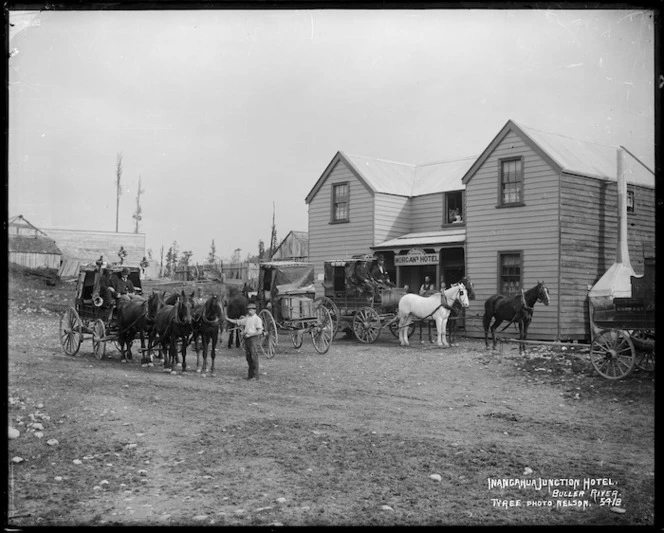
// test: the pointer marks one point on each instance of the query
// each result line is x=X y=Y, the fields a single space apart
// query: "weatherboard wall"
x=427 y=213
x=589 y=239
x=86 y=246
x=392 y=217
x=531 y=229
x=328 y=240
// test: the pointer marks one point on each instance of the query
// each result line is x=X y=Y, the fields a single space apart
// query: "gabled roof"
x=401 y=179
x=300 y=236
x=572 y=156
x=20 y=222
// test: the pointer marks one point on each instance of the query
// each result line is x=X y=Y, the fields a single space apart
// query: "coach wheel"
x=644 y=342
x=98 y=334
x=71 y=334
x=333 y=309
x=297 y=338
x=322 y=331
x=612 y=354
x=269 y=340
x=366 y=325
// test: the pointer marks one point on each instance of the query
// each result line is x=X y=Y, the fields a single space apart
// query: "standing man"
x=252 y=331
x=427 y=287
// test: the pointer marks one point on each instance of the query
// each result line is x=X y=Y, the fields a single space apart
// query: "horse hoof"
x=144 y=365
x=166 y=370
x=198 y=370
x=173 y=372
x=212 y=374
x=123 y=361
x=150 y=364
x=179 y=365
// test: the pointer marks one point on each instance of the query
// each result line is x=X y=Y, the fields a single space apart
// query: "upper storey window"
x=340 y=201
x=511 y=181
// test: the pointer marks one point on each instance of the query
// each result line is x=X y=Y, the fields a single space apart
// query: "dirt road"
x=352 y=437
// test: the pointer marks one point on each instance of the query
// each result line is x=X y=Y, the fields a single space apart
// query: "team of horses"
x=171 y=323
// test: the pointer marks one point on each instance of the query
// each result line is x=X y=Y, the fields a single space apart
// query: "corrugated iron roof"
x=427 y=238
x=441 y=176
x=404 y=179
x=586 y=158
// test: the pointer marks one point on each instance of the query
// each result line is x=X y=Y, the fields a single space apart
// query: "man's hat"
x=251 y=306
x=125 y=271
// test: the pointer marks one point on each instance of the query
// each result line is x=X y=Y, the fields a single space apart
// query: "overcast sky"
x=223 y=113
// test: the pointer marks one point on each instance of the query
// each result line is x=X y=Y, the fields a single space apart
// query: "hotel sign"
x=416 y=257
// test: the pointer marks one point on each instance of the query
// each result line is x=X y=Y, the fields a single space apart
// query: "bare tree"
x=273 y=237
x=137 y=214
x=118 y=189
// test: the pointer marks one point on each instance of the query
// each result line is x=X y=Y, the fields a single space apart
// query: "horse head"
x=213 y=311
x=155 y=302
x=462 y=295
x=542 y=293
x=469 y=286
x=184 y=307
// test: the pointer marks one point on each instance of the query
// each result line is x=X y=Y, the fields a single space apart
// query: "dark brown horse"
x=174 y=322
x=155 y=302
x=208 y=321
x=131 y=320
x=517 y=309
x=236 y=307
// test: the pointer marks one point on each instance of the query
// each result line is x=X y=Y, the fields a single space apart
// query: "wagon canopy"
x=293 y=279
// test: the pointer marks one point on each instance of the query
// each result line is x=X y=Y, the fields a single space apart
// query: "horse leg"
x=495 y=325
x=197 y=347
x=204 y=342
x=403 y=330
x=213 y=350
x=429 y=327
x=167 y=354
x=486 y=320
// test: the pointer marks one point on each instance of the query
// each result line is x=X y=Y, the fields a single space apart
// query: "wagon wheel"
x=268 y=342
x=71 y=334
x=297 y=337
x=644 y=341
x=612 y=354
x=366 y=325
x=98 y=334
x=333 y=309
x=323 y=332
x=394 y=328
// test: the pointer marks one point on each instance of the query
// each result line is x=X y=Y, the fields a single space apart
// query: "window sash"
x=510 y=273
x=511 y=179
x=340 y=196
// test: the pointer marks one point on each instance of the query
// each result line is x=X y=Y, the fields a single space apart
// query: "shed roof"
x=32 y=244
x=426 y=238
x=573 y=156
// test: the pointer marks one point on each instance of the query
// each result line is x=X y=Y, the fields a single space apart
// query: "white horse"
x=437 y=306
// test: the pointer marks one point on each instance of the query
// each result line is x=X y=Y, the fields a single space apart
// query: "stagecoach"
x=623 y=328
x=285 y=302
x=87 y=318
x=358 y=304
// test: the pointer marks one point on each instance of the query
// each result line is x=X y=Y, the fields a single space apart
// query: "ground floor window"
x=510 y=269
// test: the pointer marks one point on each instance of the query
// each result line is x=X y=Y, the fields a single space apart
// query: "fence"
x=242 y=272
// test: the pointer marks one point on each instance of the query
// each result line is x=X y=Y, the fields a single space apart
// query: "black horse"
x=517 y=309
x=237 y=307
x=174 y=322
x=208 y=321
x=156 y=301
x=131 y=320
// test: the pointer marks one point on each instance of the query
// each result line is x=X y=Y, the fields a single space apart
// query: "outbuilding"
x=29 y=246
